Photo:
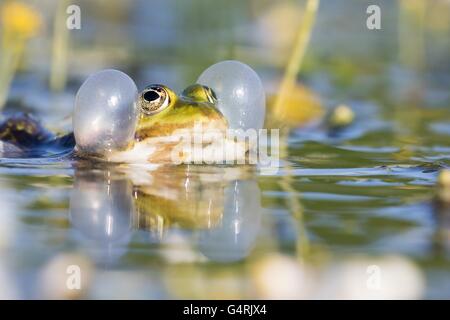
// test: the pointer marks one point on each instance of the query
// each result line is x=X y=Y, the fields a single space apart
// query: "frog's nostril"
x=151 y=95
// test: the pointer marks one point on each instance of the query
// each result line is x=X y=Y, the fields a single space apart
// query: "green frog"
x=168 y=125
x=163 y=114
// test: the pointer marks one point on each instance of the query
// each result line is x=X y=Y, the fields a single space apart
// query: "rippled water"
x=200 y=232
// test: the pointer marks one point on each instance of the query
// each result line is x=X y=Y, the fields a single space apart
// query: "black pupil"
x=151 y=96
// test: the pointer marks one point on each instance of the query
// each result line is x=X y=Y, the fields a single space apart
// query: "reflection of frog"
x=220 y=204
x=179 y=199
x=161 y=198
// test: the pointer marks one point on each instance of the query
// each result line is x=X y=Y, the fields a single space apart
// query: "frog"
x=162 y=116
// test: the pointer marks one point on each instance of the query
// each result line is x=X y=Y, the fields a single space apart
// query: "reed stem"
x=295 y=61
x=288 y=82
x=58 y=73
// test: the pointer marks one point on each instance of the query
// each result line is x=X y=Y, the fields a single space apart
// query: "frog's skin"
x=23 y=130
x=163 y=113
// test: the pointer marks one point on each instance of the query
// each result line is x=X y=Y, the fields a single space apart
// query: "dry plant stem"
x=298 y=52
x=58 y=74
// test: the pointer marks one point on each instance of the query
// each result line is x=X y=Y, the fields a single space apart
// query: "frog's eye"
x=154 y=99
x=210 y=94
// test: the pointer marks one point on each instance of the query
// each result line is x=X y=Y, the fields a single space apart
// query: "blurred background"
x=365 y=129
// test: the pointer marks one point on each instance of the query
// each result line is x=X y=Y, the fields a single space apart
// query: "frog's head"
x=157 y=97
x=162 y=111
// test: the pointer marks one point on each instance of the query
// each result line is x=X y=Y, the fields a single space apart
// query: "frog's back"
x=23 y=135
x=24 y=131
